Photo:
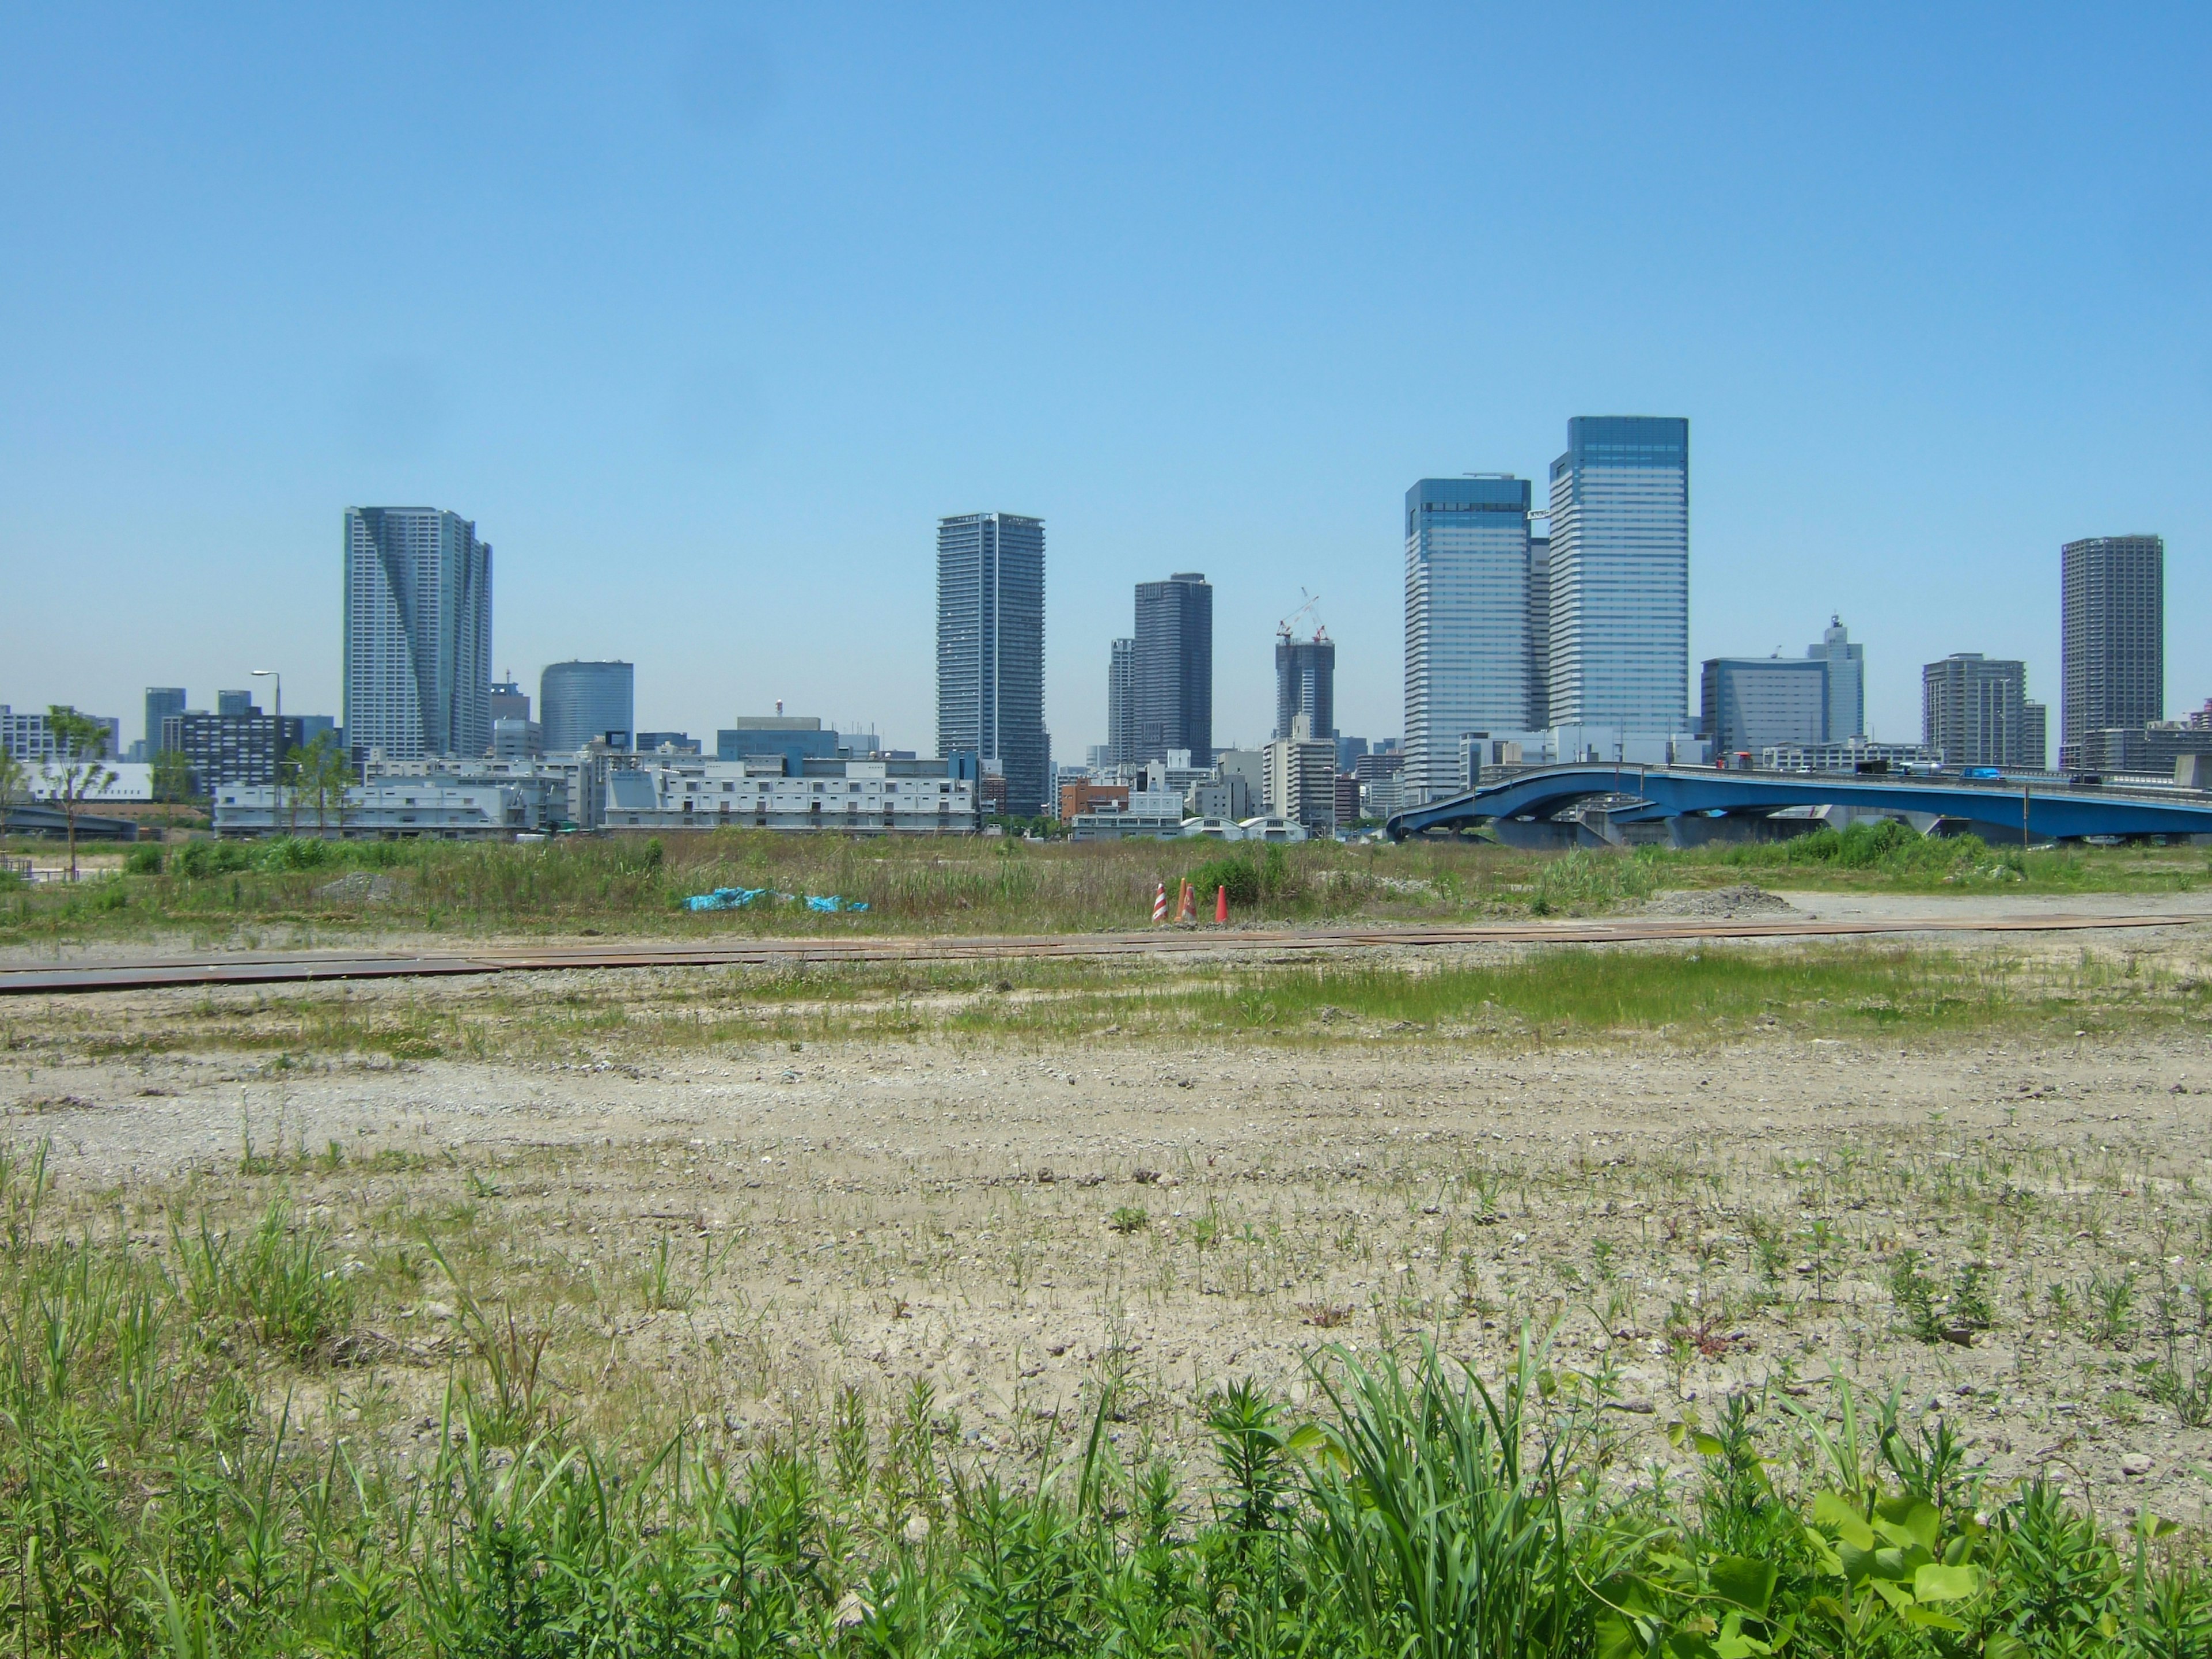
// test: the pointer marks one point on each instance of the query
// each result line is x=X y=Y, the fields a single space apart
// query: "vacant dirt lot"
x=2014 y=1234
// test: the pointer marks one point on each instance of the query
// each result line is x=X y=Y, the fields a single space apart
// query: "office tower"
x=581 y=702
x=510 y=702
x=417 y=633
x=990 y=650
x=1846 y=664
x=2112 y=636
x=1468 y=662
x=316 y=726
x=1174 y=673
x=1306 y=684
x=1975 y=712
x=1121 y=704
x=161 y=701
x=234 y=705
x=1749 y=703
x=1540 y=631
x=1619 y=647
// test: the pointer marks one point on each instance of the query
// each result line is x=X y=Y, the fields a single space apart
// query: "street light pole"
x=272 y=674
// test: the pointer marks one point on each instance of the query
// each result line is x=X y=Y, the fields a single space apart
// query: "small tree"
x=14 y=778
x=81 y=769
x=173 y=777
x=323 y=773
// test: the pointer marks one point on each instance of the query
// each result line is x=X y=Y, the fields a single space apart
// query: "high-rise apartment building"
x=1470 y=664
x=1975 y=712
x=1174 y=671
x=1845 y=717
x=1306 y=684
x=161 y=701
x=990 y=650
x=1619 y=574
x=1121 y=704
x=581 y=702
x=417 y=633
x=2111 y=636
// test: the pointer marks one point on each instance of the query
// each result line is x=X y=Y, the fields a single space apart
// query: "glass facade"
x=581 y=702
x=417 y=633
x=1751 y=703
x=1620 y=569
x=1173 y=674
x=1470 y=657
x=990 y=650
x=1306 y=684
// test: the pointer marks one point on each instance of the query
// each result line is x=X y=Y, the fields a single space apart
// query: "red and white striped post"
x=1160 y=903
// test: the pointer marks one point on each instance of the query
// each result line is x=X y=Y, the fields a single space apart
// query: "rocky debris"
x=1722 y=903
x=364 y=886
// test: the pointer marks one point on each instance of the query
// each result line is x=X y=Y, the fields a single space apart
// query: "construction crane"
x=1284 y=628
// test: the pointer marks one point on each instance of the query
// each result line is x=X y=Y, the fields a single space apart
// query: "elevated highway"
x=1999 y=809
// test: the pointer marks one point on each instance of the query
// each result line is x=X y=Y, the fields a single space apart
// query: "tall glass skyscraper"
x=1469 y=663
x=1619 y=647
x=161 y=701
x=990 y=649
x=1174 y=673
x=581 y=702
x=1306 y=684
x=417 y=633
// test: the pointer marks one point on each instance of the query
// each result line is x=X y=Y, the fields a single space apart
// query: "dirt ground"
x=724 y=1238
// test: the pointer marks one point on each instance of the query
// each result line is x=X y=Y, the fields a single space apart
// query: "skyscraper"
x=990 y=649
x=1306 y=684
x=417 y=633
x=161 y=701
x=1121 y=704
x=1540 y=631
x=581 y=702
x=234 y=705
x=1748 y=703
x=1469 y=666
x=1619 y=647
x=1975 y=712
x=1846 y=709
x=2111 y=636
x=1174 y=674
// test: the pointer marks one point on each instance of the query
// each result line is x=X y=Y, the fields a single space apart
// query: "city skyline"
x=740 y=251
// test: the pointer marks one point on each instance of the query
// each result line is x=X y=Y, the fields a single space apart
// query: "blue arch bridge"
x=1595 y=803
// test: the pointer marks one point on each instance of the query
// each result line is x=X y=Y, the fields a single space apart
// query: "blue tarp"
x=724 y=898
x=737 y=898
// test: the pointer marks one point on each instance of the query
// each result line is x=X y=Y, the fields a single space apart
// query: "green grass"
x=282 y=889
x=198 y=1457
x=1712 y=992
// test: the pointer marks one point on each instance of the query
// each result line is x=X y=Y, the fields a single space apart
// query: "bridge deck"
x=2044 y=809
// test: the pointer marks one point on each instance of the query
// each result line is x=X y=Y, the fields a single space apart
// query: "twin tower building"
x=1586 y=625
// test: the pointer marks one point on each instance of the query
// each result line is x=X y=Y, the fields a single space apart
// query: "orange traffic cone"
x=1187 y=909
x=1221 y=904
x=1160 y=903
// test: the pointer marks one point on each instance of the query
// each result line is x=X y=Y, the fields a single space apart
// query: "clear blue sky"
x=706 y=315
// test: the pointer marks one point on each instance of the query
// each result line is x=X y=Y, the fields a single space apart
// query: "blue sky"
x=706 y=315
